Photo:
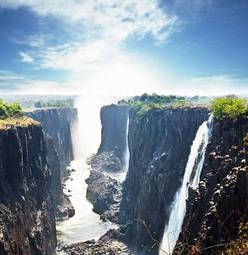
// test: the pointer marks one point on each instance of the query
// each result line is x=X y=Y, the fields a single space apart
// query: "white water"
x=193 y=167
x=85 y=224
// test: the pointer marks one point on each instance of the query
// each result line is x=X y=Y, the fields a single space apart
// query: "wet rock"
x=224 y=200
x=104 y=193
x=109 y=244
x=159 y=145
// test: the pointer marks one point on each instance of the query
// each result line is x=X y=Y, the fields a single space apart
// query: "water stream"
x=191 y=178
x=86 y=135
x=85 y=224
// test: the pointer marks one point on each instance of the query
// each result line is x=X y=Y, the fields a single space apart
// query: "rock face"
x=27 y=223
x=105 y=194
x=62 y=204
x=104 y=191
x=219 y=205
x=159 y=145
x=56 y=124
x=114 y=128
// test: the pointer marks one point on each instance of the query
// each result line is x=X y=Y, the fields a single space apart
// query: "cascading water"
x=85 y=224
x=122 y=175
x=127 y=153
x=191 y=178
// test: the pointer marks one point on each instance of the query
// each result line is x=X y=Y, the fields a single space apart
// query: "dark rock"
x=104 y=193
x=114 y=127
x=109 y=244
x=27 y=223
x=214 y=221
x=56 y=124
x=159 y=145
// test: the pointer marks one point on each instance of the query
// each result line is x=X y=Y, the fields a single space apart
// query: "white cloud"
x=95 y=52
x=105 y=24
x=25 y=58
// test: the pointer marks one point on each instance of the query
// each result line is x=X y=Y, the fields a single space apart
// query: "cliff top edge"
x=13 y=122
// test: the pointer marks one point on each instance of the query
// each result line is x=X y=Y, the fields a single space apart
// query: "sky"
x=124 y=47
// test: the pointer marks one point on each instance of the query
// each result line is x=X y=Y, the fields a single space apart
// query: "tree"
x=10 y=110
x=229 y=107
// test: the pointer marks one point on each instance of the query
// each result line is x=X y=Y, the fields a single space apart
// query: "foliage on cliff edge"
x=229 y=107
x=10 y=110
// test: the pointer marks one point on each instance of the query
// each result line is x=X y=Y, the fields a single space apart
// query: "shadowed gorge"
x=159 y=147
x=146 y=179
x=123 y=127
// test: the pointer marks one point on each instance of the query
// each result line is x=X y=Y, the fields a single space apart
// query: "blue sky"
x=124 y=47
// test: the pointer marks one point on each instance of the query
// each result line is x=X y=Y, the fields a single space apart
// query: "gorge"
x=168 y=170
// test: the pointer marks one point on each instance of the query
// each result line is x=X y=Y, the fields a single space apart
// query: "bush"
x=229 y=107
x=55 y=103
x=10 y=110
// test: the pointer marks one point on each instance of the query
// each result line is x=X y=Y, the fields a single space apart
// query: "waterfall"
x=85 y=224
x=127 y=153
x=122 y=175
x=191 y=178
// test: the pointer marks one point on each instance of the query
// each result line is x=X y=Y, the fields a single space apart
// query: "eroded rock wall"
x=159 y=145
x=104 y=190
x=114 y=127
x=57 y=125
x=216 y=209
x=27 y=223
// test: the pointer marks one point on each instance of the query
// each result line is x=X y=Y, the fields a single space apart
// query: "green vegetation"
x=147 y=102
x=55 y=103
x=229 y=107
x=158 y=99
x=10 y=110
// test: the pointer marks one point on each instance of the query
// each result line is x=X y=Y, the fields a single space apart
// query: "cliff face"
x=216 y=209
x=104 y=191
x=114 y=127
x=27 y=224
x=159 y=147
x=56 y=124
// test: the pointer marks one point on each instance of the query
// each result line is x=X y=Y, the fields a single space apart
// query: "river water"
x=85 y=224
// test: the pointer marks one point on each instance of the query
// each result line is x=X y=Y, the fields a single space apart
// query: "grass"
x=22 y=121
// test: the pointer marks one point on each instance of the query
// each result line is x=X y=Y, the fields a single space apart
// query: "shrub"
x=229 y=107
x=55 y=103
x=10 y=110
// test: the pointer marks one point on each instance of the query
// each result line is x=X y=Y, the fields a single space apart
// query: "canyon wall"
x=56 y=124
x=114 y=127
x=104 y=190
x=218 y=208
x=159 y=144
x=27 y=223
